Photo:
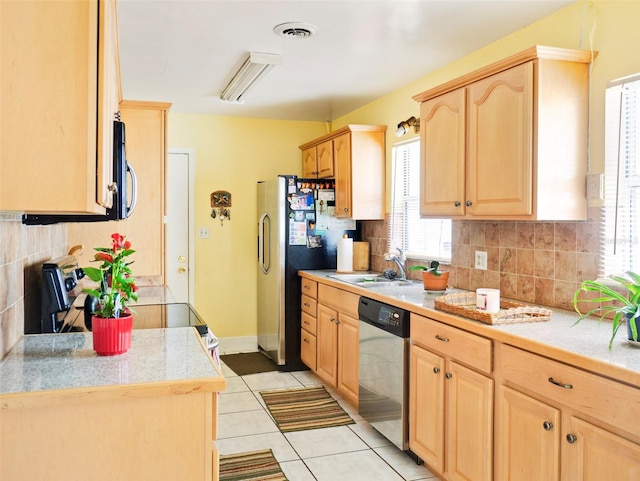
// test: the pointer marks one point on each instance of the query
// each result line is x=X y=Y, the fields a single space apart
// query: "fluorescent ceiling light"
x=254 y=67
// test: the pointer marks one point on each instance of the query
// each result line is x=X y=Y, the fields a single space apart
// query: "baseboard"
x=235 y=345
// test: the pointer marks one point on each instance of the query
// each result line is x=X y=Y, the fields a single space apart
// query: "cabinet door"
x=108 y=99
x=500 y=143
x=528 y=438
x=348 y=349
x=325 y=160
x=426 y=407
x=442 y=159
x=469 y=420
x=308 y=351
x=593 y=454
x=327 y=345
x=146 y=126
x=49 y=96
x=342 y=162
x=309 y=163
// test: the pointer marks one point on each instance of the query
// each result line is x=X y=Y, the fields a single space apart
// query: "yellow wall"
x=232 y=154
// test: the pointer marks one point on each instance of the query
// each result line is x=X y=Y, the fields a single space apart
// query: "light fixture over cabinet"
x=403 y=126
x=254 y=67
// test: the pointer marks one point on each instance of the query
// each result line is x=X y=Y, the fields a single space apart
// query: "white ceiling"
x=185 y=51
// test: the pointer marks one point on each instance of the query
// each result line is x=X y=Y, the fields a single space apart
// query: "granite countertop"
x=164 y=358
x=584 y=345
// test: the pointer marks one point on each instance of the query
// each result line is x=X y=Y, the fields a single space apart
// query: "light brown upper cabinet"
x=317 y=161
x=60 y=94
x=508 y=141
x=146 y=131
x=358 y=166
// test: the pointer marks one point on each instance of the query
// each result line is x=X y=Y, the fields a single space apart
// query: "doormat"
x=250 y=466
x=305 y=408
x=249 y=363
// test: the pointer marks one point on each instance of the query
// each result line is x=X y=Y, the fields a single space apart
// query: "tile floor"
x=350 y=453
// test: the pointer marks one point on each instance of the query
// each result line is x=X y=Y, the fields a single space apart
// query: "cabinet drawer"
x=308 y=305
x=340 y=300
x=588 y=393
x=308 y=349
x=309 y=323
x=310 y=288
x=467 y=348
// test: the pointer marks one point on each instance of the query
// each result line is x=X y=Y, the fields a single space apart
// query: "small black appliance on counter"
x=59 y=278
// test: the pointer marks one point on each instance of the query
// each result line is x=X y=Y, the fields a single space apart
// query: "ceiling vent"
x=295 y=30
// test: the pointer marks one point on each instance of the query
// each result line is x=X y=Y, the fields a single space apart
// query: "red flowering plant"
x=116 y=284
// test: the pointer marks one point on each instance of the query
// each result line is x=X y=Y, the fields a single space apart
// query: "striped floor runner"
x=304 y=408
x=251 y=466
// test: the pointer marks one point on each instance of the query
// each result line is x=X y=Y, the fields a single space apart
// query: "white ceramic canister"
x=488 y=300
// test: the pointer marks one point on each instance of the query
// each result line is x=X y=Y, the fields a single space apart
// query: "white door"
x=179 y=245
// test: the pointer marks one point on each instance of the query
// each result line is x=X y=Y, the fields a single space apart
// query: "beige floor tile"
x=233 y=402
x=282 y=450
x=356 y=466
x=235 y=384
x=296 y=471
x=265 y=381
x=369 y=435
x=404 y=464
x=320 y=442
x=244 y=424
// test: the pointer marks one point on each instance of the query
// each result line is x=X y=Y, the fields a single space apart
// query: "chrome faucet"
x=400 y=260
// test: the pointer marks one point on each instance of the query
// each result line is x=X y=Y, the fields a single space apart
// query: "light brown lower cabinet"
x=450 y=405
x=557 y=422
x=337 y=340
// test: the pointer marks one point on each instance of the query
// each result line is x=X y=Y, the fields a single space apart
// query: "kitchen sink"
x=370 y=280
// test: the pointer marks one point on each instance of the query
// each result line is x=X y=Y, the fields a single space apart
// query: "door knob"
x=182 y=259
x=182 y=270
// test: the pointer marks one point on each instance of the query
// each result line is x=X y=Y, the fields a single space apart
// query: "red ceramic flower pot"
x=112 y=336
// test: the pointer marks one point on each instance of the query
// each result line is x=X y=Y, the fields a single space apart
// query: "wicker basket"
x=464 y=304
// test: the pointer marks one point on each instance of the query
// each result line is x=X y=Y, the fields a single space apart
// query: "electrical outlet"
x=481 y=260
x=203 y=233
x=595 y=190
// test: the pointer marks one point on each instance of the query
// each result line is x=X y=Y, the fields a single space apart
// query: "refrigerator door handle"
x=264 y=228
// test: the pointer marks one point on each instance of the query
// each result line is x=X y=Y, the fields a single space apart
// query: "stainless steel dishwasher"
x=384 y=369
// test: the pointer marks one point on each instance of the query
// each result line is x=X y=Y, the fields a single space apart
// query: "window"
x=418 y=238
x=621 y=234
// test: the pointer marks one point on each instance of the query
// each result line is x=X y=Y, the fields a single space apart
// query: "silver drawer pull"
x=307 y=304
x=443 y=339
x=561 y=384
x=307 y=286
x=548 y=426
x=306 y=340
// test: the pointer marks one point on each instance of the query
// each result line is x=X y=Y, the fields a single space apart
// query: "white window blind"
x=418 y=238
x=621 y=236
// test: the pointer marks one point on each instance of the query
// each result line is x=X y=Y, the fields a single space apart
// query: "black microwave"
x=124 y=198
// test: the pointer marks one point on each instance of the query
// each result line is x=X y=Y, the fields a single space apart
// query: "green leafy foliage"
x=433 y=268
x=116 y=285
x=612 y=302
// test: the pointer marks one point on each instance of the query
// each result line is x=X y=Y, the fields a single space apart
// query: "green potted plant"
x=433 y=278
x=622 y=305
x=112 y=320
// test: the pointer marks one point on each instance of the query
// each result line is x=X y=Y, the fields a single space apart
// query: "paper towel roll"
x=345 y=254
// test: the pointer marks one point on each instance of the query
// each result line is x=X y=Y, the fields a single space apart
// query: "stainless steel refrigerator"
x=296 y=230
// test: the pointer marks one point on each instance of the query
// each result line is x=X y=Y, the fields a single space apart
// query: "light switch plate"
x=481 y=260
x=203 y=233
x=595 y=190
